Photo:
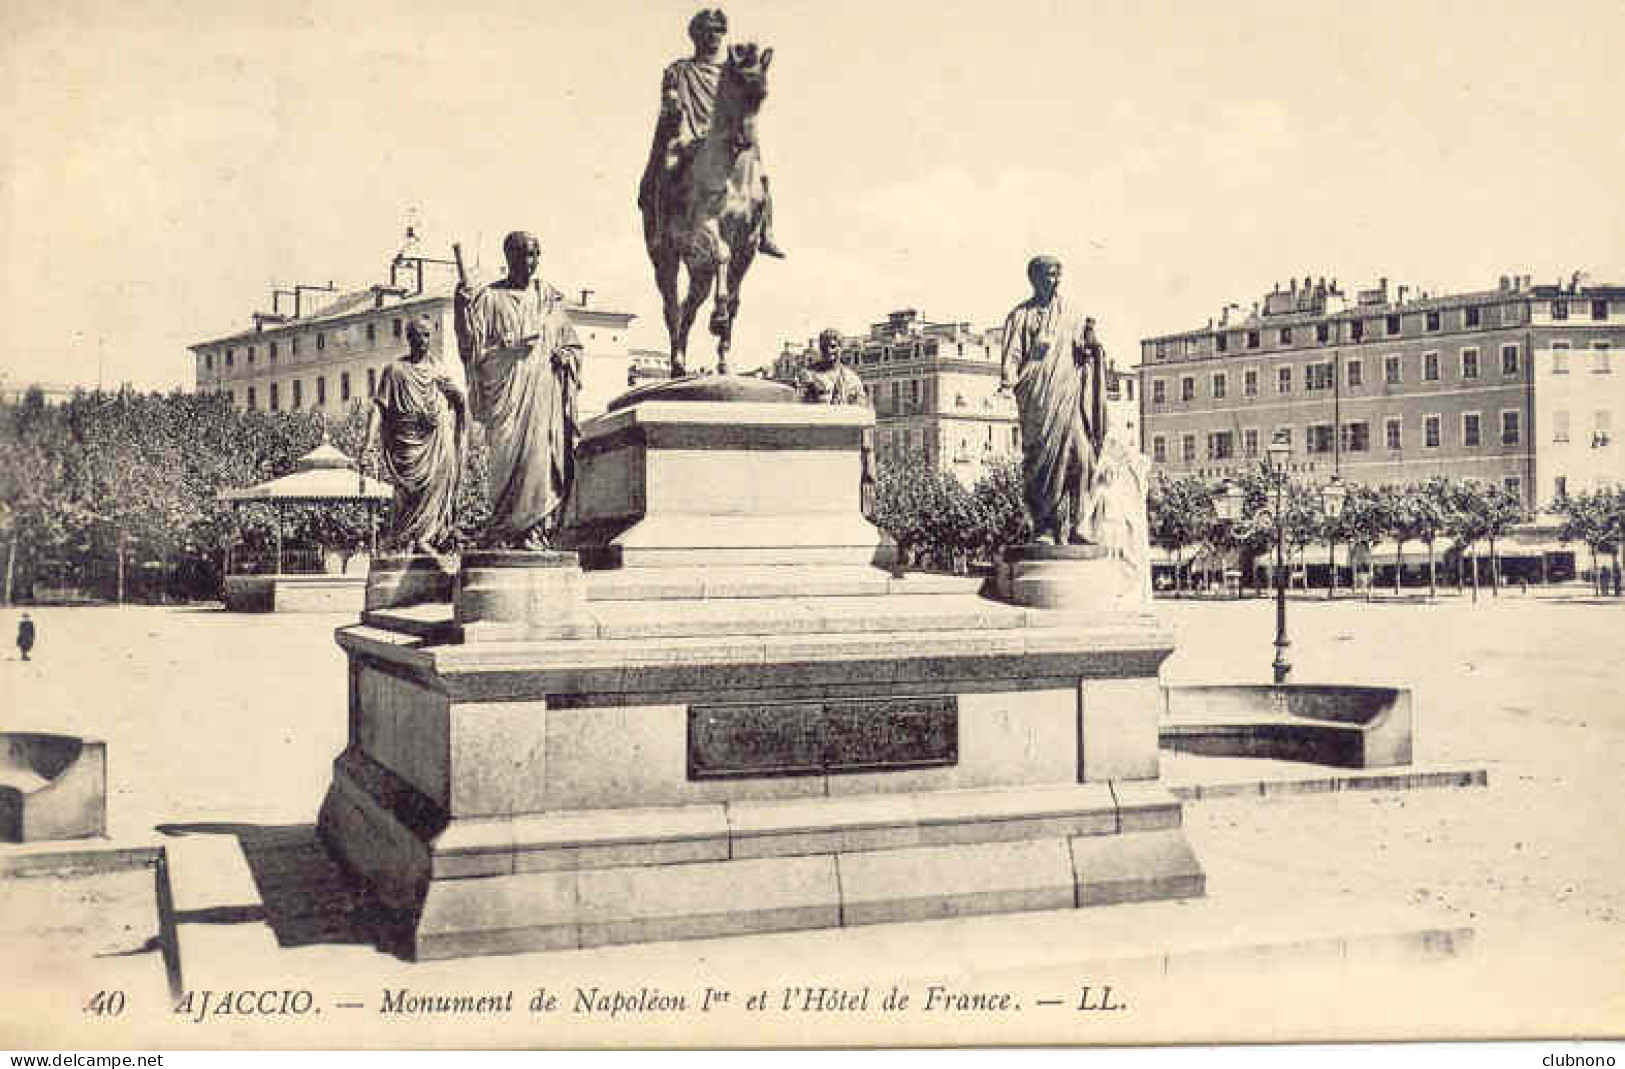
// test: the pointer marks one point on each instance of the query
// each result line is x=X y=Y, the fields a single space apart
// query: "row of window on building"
x=1470 y=317
x=1602 y=427
x=1321 y=376
x=894 y=445
x=296 y=392
x=274 y=348
x=918 y=350
x=1353 y=437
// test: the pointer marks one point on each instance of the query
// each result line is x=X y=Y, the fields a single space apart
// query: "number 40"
x=106 y=1004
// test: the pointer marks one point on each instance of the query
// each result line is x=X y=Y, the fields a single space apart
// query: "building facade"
x=934 y=388
x=1515 y=386
x=328 y=348
x=935 y=391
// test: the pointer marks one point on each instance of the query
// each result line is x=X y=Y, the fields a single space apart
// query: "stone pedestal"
x=515 y=594
x=702 y=483
x=1086 y=579
x=396 y=580
x=690 y=745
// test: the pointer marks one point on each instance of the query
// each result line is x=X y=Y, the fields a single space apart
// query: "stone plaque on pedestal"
x=807 y=738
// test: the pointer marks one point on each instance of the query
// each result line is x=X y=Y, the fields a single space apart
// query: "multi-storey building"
x=934 y=388
x=935 y=391
x=327 y=349
x=1515 y=385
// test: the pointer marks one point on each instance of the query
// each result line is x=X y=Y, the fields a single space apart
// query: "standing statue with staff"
x=1056 y=368
x=523 y=364
x=704 y=195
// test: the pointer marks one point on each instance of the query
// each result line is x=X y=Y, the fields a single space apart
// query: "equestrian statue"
x=704 y=196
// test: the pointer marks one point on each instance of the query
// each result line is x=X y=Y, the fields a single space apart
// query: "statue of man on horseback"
x=704 y=196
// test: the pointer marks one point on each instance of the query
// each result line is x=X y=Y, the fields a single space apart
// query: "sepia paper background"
x=167 y=164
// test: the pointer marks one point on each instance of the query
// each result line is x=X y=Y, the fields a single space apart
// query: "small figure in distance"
x=420 y=418
x=25 y=635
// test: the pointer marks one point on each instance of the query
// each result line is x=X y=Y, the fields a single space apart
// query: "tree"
x=1594 y=518
x=1398 y=507
x=1179 y=511
x=1302 y=523
x=1255 y=532
x=1429 y=508
x=927 y=512
x=1503 y=510
x=1468 y=521
x=1000 y=515
x=1360 y=524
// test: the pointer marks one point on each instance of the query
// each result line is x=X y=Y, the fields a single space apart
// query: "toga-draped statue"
x=1055 y=366
x=420 y=418
x=523 y=363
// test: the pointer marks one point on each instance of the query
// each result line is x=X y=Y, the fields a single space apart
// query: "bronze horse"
x=708 y=215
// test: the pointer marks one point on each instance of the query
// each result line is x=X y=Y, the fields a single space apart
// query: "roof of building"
x=323 y=474
x=341 y=307
x=1254 y=321
x=360 y=302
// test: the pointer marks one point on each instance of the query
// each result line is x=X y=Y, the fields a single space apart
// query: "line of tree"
x=938 y=522
x=1467 y=514
x=1596 y=520
x=120 y=490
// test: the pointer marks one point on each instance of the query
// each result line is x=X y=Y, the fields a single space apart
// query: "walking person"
x=25 y=635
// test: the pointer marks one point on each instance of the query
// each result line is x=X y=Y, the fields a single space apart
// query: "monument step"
x=677 y=618
x=662 y=835
x=767 y=581
x=707 y=899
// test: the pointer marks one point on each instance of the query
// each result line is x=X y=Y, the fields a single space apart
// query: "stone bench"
x=51 y=787
x=1323 y=724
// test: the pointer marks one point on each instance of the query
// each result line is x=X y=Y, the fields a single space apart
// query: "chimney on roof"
x=1402 y=291
x=1506 y=284
x=586 y=296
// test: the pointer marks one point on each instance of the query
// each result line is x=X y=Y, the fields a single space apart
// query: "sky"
x=167 y=162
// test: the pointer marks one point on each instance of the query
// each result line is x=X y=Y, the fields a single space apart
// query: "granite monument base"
x=718 y=753
x=741 y=732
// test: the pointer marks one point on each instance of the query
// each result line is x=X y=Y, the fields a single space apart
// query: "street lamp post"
x=1228 y=504
x=1331 y=503
x=1278 y=452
